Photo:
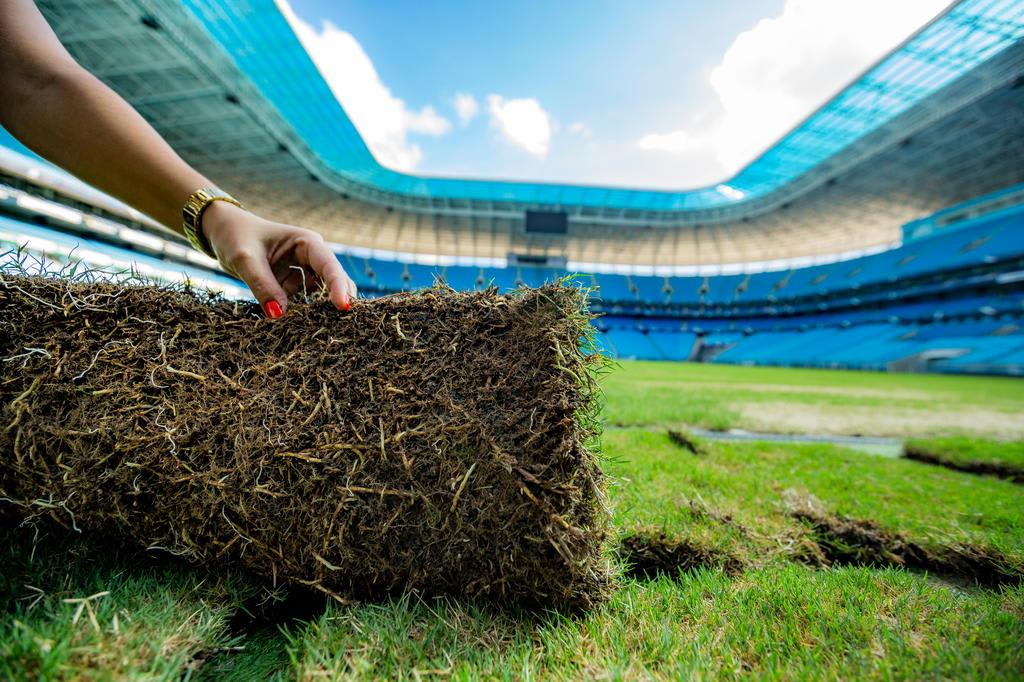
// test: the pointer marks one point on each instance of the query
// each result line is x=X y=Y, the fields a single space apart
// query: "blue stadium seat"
x=723 y=288
x=685 y=289
x=761 y=286
x=722 y=338
x=632 y=344
x=356 y=269
x=650 y=288
x=462 y=277
x=614 y=288
x=422 y=276
x=672 y=345
x=387 y=274
x=505 y=279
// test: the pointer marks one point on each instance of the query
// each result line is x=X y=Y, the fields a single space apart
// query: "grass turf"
x=776 y=617
x=434 y=440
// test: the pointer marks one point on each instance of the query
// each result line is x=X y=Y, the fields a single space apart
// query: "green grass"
x=776 y=618
x=664 y=487
x=810 y=400
x=970 y=450
x=786 y=621
x=71 y=610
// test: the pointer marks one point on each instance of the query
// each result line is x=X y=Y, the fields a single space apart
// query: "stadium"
x=817 y=364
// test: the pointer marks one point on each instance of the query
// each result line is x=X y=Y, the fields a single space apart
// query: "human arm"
x=66 y=115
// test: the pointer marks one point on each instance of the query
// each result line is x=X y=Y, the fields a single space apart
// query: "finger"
x=352 y=286
x=340 y=289
x=255 y=271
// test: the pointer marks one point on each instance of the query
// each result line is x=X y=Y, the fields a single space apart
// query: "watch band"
x=192 y=216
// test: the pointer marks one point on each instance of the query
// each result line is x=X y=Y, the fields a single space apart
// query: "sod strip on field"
x=435 y=441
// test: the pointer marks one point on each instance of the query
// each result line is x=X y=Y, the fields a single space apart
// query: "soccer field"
x=773 y=558
x=784 y=400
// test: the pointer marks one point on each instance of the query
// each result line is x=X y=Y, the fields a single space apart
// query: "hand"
x=273 y=259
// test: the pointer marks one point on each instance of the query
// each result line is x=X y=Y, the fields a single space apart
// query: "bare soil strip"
x=833 y=541
x=650 y=556
x=998 y=469
x=859 y=542
x=686 y=441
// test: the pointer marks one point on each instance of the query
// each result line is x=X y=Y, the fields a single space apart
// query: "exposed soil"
x=686 y=441
x=649 y=556
x=998 y=469
x=857 y=542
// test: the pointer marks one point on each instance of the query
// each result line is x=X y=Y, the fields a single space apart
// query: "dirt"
x=650 y=556
x=687 y=442
x=997 y=469
x=841 y=541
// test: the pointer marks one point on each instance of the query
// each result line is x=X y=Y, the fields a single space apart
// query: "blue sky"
x=655 y=93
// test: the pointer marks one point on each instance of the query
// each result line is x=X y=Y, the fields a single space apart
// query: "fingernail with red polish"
x=345 y=305
x=273 y=309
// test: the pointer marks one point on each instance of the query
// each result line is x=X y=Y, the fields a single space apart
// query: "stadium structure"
x=885 y=231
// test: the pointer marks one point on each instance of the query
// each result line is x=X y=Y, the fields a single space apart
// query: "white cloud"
x=676 y=142
x=383 y=120
x=466 y=107
x=778 y=72
x=426 y=121
x=580 y=128
x=523 y=122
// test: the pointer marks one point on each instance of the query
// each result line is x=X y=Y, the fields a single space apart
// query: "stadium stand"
x=984 y=240
x=951 y=300
x=885 y=232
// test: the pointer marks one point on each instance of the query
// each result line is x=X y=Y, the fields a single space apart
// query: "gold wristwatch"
x=192 y=216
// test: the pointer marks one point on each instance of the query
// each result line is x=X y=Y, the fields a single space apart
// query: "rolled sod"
x=434 y=441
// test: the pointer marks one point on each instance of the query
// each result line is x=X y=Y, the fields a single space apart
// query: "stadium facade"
x=885 y=231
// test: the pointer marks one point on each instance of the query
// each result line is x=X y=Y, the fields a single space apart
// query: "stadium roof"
x=262 y=44
x=228 y=85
